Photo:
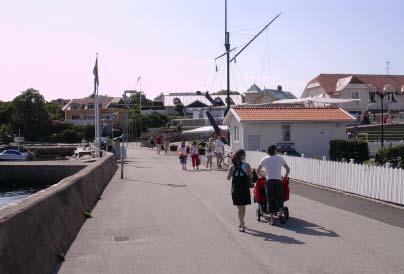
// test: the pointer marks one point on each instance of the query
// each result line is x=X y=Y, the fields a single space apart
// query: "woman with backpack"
x=239 y=173
x=183 y=155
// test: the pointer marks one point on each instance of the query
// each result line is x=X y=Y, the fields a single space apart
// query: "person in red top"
x=159 y=142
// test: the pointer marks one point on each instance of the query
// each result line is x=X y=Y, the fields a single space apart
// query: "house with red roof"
x=306 y=130
x=358 y=86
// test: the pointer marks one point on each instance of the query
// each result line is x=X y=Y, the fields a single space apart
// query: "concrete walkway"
x=161 y=219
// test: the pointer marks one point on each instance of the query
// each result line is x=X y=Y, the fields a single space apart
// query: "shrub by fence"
x=377 y=182
x=393 y=155
x=345 y=150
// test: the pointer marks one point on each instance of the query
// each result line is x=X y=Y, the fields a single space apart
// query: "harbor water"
x=10 y=195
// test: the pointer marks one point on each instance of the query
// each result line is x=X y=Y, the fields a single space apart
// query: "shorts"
x=219 y=155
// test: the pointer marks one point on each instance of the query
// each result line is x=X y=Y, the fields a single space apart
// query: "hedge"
x=393 y=155
x=343 y=150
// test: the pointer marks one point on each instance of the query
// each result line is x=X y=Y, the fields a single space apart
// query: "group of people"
x=240 y=174
x=212 y=148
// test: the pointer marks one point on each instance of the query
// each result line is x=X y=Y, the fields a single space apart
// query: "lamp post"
x=124 y=129
x=381 y=94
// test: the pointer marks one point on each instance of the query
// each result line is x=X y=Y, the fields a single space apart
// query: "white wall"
x=311 y=139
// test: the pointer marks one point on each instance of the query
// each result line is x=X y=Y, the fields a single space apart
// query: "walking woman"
x=210 y=150
x=183 y=155
x=239 y=173
x=195 y=156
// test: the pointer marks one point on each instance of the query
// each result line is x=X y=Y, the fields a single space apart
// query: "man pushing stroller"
x=273 y=164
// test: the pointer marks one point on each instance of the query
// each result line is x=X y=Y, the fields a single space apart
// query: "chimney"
x=279 y=88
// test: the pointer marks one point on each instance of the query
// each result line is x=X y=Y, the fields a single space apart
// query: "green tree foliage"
x=135 y=99
x=54 y=110
x=343 y=150
x=179 y=108
x=5 y=112
x=30 y=115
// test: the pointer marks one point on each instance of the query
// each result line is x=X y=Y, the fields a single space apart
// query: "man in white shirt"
x=219 y=151
x=273 y=166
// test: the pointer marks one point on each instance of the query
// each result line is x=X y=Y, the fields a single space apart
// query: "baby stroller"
x=260 y=197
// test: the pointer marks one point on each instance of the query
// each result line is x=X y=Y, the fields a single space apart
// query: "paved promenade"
x=160 y=219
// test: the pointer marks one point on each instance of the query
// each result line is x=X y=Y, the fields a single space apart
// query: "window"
x=286 y=132
x=236 y=133
x=75 y=117
x=90 y=106
x=75 y=106
x=355 y=95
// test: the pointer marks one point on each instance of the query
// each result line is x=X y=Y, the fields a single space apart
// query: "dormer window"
x=218 y=101
x=90 y=106
x=74 y=106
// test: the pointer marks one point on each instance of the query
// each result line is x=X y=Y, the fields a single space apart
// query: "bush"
x=393 y=155
x=69 y=136
x=342 y=150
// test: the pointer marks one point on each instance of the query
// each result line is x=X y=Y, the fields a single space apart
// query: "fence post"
x=302 y=155
x=324 y=158
x=351 y=161
x=387 y=164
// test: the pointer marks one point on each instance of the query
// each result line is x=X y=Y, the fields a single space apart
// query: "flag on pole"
x=95 y=72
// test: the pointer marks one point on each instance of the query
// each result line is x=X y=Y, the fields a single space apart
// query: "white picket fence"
x=382 y=183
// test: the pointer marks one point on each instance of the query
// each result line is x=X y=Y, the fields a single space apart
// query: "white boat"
x=12 y=155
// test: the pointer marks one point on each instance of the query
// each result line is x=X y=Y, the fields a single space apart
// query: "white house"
x=307 y=129
x=358 y=86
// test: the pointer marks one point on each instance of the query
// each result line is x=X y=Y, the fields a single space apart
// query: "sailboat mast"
x=227 y=46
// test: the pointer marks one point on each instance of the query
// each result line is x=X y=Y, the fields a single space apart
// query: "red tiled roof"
x=329 y=81
x=292 y=114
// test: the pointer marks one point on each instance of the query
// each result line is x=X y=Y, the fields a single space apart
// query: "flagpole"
x=96 y=101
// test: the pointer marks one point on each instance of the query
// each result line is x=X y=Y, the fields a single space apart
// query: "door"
x=253 y=142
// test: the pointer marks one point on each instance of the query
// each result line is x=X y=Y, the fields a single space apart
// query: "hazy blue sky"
x=51 y=45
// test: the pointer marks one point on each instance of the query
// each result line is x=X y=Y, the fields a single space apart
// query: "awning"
x=206 y=129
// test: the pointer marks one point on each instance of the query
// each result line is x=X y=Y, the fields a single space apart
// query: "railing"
x=376 y=182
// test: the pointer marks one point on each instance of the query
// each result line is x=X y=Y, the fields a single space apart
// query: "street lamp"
x=387 y=91
x=124 y=127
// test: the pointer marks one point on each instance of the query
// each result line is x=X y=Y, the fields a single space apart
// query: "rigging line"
x=234 y=80
x=216 y=73
x=241 y=76
x=221 y=79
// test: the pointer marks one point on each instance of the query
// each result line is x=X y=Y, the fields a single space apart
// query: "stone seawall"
x=37 y=173
x=36 y=233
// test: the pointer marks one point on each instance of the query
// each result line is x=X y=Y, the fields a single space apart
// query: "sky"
x=51 y=45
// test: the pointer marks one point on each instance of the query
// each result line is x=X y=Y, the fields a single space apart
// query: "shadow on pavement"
x=272 y=237
x=154 y=183
x=307 y=228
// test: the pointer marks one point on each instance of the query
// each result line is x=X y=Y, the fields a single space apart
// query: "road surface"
x=160 y=219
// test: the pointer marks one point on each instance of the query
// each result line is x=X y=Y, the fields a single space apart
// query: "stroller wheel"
x=286 y=213
x=258 y=213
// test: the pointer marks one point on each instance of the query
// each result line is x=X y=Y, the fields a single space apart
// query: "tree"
x=54 y=110
x=30 y=115
x=179 y=108
x=5 y=113
x=135 y=99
